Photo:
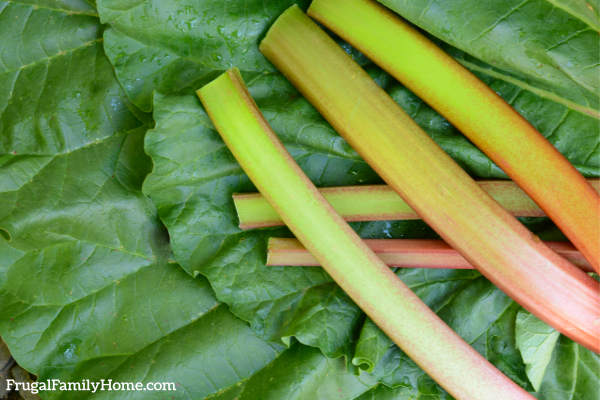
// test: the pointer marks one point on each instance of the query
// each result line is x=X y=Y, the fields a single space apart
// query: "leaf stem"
x=380 y=203
x=483 y=116
x=402 y=253
x=429 y=180
x=368 y=281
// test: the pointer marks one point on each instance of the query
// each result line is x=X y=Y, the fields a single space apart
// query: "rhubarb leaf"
x=86 y=286
x=573 y=373
x=106 y=302
x=560 y=63
x=173 y=45
x=73 y=322
x=536 y=341
x=71 y=166
x=301 y=373
x=557 y=367
x=55 y=82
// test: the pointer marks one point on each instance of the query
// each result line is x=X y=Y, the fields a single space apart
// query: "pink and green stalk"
x=368 y=281
x=445 y=197
x=483 y=116
x=403 y=253
x=380 y=203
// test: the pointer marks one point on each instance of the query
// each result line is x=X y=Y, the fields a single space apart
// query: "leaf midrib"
x=53 y=9
x=48 y=59
x=561 y=6
x=588 y=111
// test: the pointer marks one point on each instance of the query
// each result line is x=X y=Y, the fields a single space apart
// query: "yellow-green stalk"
x=483 y=116
x=402 y=253
x=466 y=217
x=380 y=203
x=369 y=282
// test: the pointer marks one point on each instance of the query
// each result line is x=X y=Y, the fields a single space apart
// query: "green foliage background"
x=120 y=255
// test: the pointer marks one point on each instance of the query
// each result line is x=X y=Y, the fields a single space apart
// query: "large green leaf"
x=57 y=90
x=172 y=45
x=557 y=367
x=88 y=286
x=548 y=46
x=87 y=290
x=85 y=287
x=112 y=307
x=536 y=342
x=301 y=373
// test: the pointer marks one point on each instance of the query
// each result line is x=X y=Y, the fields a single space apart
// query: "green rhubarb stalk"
x=403 y=253
x=483 y=116
x=466 y=217
x=369 y=282
x=379 y=203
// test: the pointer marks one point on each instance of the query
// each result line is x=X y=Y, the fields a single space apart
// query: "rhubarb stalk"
x=466 y=217
x=390 y=303
x=483 y=116
x=379 y=203
x=402 y=253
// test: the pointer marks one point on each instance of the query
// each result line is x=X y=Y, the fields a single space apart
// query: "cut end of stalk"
x=280 y=251
x=254 y=211
x=294 y=9
x=233 y=74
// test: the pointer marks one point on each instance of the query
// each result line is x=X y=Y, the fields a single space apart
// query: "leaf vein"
x=540 y=92
x=61 y=53
x=500 y=19
x=55 y=9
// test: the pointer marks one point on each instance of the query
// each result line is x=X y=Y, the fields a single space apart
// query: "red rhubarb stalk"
x=402 y=253
x=445 y=197
x=448 y=359
x=483 y=116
